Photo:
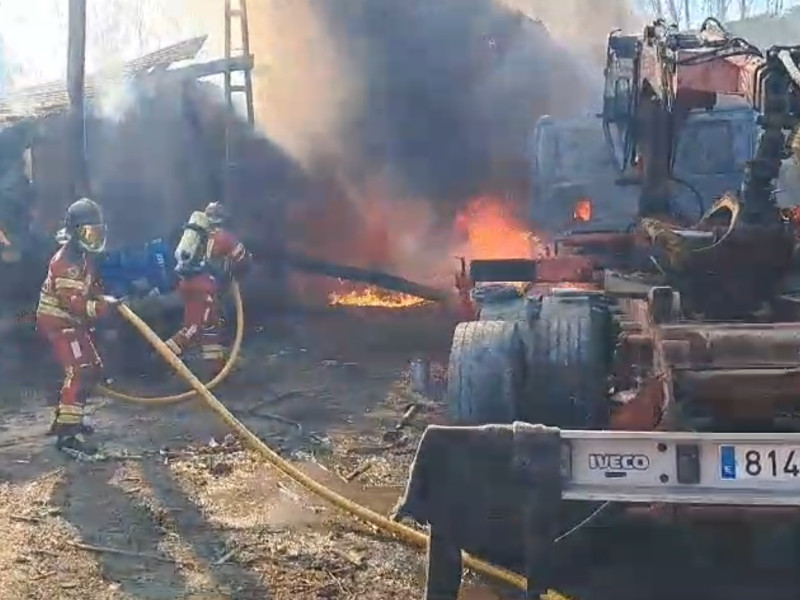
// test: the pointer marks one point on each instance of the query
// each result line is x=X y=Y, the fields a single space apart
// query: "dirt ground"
x=180 y=511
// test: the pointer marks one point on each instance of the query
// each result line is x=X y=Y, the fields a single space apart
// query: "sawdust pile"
x=37 y=559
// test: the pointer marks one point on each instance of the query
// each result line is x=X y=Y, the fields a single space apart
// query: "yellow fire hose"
x=236 y=348
x=399 y=531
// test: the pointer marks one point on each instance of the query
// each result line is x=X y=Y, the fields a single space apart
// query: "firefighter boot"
x=72 y=441
x=205 y=369
x=208 y=369
x=85 y=428
x=212 y=360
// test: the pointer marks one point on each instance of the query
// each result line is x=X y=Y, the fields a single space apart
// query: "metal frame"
x=247 y=88
x=230 y=89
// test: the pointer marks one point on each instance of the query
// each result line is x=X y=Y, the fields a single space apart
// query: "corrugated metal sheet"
x=41 y=100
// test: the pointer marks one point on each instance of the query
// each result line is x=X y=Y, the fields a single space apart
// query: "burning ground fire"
x=486 y=228
x=375 y=297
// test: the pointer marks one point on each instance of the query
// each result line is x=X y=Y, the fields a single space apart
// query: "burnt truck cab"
x=576 y=179
x=664 y=357
x=610 y=352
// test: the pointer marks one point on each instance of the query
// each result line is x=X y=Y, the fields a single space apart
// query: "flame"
x=375 y=297
x=583 y=210
x=486 y=228
x=492 y=231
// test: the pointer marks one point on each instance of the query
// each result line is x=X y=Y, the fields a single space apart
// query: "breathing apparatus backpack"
x=190 y=254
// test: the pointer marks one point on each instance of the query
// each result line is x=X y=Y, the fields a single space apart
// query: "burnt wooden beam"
x=53 y=97
x=326 y=268
x=186 y=73
x=206 y=69
x=76 y=75
x=369 y=276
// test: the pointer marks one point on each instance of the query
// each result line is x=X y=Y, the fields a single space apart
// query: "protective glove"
x=113 y=302
x=102 y=306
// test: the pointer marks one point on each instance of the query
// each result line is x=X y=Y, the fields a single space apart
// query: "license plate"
x=765 y=462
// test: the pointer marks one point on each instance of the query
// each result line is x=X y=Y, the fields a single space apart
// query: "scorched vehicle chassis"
x=661 y=357
x=674 y=347
x=654 y=407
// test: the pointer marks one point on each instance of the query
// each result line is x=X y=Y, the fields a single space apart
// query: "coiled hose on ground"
x=399 y=531
x=236 y=348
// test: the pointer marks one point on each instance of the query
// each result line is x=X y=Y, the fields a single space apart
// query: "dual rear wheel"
x=550 y=369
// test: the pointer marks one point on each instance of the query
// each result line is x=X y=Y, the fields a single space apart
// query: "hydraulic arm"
x=653 y=81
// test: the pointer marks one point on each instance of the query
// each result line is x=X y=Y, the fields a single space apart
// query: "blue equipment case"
x=153 y=266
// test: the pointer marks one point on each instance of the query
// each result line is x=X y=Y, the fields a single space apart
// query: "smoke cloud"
x=432 y=96
x=407 y=109
x=377 y=119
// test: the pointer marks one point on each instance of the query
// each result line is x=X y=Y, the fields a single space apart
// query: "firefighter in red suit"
x=206 y=266
x=71 y=300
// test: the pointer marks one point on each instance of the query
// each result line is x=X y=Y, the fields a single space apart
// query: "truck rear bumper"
x=690 y=468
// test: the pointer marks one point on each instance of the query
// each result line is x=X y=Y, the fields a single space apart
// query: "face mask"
x=92 y=237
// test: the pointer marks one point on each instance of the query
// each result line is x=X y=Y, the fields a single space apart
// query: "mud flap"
x=526 y=465
x=443 y=580
x=537 y=465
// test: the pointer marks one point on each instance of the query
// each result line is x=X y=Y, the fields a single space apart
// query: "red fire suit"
x=225 y=257
x=70 y=300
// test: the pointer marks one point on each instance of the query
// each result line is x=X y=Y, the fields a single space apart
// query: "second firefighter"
x=208 y=257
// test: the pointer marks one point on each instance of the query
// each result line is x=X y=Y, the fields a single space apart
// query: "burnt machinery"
x=667 y=353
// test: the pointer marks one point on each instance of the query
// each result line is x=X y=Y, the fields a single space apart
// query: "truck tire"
x=485 y=375
x=569 y=352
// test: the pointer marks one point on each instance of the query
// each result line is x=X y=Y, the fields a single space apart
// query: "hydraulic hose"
x=399 y=531
x=219 y=378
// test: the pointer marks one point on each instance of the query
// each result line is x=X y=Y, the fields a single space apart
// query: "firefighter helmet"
x=217 y=213
x=84 y=224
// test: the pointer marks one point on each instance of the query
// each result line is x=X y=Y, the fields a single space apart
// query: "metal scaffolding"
x=239 y=14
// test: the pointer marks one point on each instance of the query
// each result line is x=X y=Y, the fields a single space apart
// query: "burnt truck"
x=657 y=342
x=577 y=182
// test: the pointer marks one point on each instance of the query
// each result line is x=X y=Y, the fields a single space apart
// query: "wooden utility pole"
x=76 y=74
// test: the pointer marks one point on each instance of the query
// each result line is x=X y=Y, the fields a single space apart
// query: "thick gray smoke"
x=379 y=119
x=408 y=109
x=449 y=91
x=164 y=157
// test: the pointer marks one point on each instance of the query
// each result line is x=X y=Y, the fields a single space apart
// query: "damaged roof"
x=41 y=100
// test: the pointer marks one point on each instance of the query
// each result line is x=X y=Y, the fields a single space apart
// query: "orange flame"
x=487 y=228
x=583 y=210
x=492 y=231
x=375 y=297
